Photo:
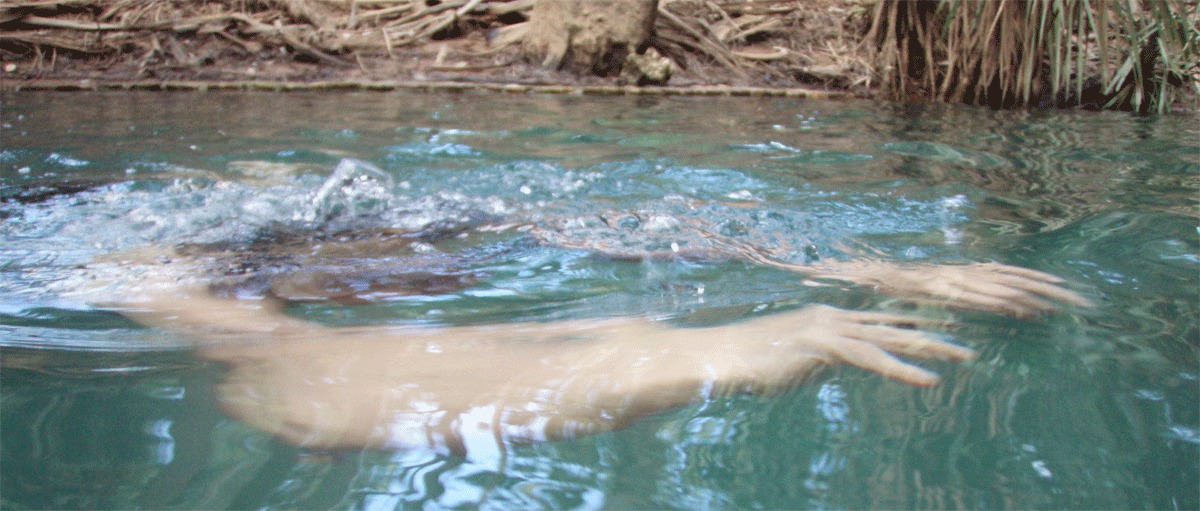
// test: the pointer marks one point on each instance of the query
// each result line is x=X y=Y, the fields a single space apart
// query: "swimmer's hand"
x=991 y=287
x=980 y=286
x=775 y=350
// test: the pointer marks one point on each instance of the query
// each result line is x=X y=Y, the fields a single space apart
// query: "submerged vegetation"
x=1117 y=54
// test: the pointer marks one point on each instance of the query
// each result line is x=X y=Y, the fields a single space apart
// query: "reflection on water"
x=1085 y=409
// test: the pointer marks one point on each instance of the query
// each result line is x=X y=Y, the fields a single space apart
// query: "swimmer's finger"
x=873 y=358
x=1005 y=290
x=889 y=318
x=1023 y=272
x=992 y=296
x=1039 y=282
x=1026 y=306
x=1021 y=298
x=910 y=343
x=1051 y=291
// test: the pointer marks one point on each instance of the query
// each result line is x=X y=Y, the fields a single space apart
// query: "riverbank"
x=423 y=86
x=814 y=48
x=769 y=47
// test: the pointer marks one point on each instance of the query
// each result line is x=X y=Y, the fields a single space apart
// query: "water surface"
x=1086 y=408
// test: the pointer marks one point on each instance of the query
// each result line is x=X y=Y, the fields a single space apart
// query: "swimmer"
x=484 y=389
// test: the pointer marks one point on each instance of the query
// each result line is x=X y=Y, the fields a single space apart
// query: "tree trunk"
x=592 y=36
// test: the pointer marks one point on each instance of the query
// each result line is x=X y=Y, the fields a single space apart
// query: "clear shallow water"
x=1089 y=408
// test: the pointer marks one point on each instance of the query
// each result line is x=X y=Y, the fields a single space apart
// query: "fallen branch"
x=715 y=50
x=300 y=45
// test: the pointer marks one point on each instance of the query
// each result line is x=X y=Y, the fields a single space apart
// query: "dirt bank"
x=1136 y=56
x=728 y=46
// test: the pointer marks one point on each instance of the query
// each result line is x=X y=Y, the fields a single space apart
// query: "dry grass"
x=811 y=41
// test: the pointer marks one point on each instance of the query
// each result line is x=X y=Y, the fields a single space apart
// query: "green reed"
x=1131 y=54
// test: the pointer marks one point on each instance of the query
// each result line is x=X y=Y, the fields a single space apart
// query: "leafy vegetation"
x=1125 y=54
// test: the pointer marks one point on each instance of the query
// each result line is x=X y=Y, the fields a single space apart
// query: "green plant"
x=1120 y=53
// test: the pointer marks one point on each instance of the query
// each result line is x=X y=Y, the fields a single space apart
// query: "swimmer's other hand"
x=977 y=286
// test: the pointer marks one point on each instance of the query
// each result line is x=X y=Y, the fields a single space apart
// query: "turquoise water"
x=1087 y=408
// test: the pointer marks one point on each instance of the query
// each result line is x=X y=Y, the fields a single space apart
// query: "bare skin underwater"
x=482 y=389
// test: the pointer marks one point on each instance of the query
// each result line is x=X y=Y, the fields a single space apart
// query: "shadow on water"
x=1086 y=408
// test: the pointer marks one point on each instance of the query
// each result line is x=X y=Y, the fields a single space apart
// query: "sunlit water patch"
x=550 y=209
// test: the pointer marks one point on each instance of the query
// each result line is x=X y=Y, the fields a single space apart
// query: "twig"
x=387 y=41
x=441 y=23
x=17 y=4
x=431 y=10
x=441 y=54
x=300 y=45
x=718 y=53
x=361 y=66
x=39 y=40
x=462 y=66
x=752 y=29
x=502 y=8
x=381 y=13
x=39 y=21
x=467 y=8
x=779 y=53
x=724 y=15
x=249 y=46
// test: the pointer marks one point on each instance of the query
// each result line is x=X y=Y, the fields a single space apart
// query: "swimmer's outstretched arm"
x=484 y=388
x=992 y=287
